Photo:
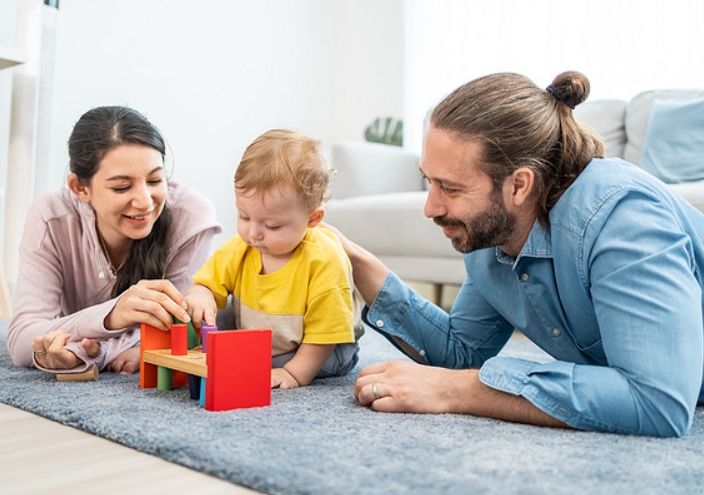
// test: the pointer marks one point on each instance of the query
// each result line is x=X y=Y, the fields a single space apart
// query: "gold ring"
x=40 y=352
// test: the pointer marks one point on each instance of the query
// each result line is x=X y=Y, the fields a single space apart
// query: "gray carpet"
x=318 y=440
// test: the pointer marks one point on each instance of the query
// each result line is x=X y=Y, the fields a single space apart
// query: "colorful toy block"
x=179 y=339
x=239 y=369
x=236 y=367
x=204 y=331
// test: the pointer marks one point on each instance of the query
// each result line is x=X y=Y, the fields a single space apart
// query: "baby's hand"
x=200 y=304
x=280 y=378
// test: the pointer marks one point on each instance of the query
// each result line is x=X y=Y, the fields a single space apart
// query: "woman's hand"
x=155 y=302
x=50 y=351
x=126 y=363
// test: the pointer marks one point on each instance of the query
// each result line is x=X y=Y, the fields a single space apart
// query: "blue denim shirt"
x=612 y=290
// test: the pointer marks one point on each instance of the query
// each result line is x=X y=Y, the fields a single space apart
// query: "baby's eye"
x=120 y=189
x=273 y=227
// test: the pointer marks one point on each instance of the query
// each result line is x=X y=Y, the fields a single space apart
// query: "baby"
x=281 y=271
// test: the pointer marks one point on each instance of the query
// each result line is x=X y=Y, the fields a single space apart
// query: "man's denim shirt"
x=612 y=290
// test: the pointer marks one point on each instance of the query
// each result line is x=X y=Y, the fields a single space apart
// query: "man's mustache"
x=447 y=222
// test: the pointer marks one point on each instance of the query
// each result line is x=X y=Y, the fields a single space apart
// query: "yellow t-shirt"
x=308 y=300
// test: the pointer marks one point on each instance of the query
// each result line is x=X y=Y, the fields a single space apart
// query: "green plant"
x=386 y=131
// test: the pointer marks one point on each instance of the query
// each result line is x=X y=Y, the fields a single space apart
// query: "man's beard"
x=490 y=228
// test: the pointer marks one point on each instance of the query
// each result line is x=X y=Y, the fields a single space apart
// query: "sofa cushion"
x=606 y=117
x=393 y=228
x=371 y=168
x=692 y=192
x=390 y=224
x=638 y=115
x=673 y=148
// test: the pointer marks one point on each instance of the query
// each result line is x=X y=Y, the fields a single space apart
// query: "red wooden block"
x=179 y=339
x=239 y=369
x=154 y=338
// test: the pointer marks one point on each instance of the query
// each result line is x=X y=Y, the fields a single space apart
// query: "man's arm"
x=408 y=387
x=368 y=271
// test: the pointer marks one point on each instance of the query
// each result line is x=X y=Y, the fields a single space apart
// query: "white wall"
x=214 y=74
x=623 y=46
x=7 y=39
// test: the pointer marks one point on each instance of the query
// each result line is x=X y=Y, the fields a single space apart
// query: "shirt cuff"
x=513 y=376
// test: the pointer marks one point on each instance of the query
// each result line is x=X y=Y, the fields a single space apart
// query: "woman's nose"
x=142 y=197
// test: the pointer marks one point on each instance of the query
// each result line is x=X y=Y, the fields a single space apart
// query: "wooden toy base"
x=193 y=363
x=236 y=368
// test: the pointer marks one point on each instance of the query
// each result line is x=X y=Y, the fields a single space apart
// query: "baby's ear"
x=316 y=217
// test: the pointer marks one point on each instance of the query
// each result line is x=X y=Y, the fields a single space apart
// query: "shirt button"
x=422 y=353
x=379 y=323
x=556 y=332
x=525 y=277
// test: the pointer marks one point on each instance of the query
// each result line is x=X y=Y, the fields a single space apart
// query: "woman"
x=113 y=250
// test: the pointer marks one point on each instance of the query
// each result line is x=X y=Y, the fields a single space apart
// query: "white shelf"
x=9 y=57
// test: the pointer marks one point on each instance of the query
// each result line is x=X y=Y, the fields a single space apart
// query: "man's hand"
x=400 y=386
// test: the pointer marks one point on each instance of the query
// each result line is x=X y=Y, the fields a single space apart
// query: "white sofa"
x=378 y=194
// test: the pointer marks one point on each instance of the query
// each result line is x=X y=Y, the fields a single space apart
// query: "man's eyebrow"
x=442 y=182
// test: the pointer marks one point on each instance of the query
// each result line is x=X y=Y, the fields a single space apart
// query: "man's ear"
x=78 y=189
x=316 y=217
x=521 y=181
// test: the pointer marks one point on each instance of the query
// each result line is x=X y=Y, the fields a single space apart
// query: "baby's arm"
x=201 y=305
x=303 y=367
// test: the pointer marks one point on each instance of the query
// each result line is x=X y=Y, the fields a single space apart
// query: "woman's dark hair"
x=522 y=125
x=97 y=132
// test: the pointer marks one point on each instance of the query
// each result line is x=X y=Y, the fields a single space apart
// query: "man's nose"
x=434 y=206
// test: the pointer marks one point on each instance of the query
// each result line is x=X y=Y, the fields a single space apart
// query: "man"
x=592 y=259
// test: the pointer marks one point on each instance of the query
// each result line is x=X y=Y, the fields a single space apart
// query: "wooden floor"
x=40 y=456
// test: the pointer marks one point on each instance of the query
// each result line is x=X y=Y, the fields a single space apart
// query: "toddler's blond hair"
x=289 y=158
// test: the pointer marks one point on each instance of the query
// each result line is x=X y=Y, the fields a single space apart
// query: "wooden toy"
x=236 y=367
x=89 y=375
x=179 y=339
x=204 y=330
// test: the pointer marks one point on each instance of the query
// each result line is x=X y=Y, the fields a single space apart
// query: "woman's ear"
x=78 y=189
x=316 y=217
